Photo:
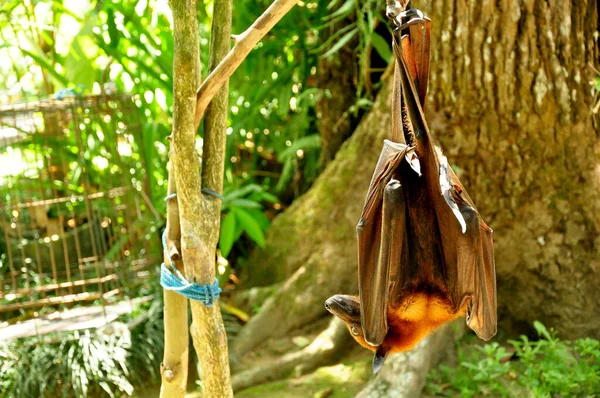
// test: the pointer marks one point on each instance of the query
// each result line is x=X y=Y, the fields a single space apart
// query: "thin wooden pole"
x=174 y=368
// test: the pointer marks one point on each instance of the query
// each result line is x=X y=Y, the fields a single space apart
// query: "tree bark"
x=337 y=76
x=199 y=216
x=511 y=105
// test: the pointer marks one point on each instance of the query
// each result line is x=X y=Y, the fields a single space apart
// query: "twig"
x=244 y=43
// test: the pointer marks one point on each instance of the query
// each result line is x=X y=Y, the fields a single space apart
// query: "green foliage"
x=127 y=46
x=242 y=212
x=543 y=368
x=368 y=16
x=106 y=362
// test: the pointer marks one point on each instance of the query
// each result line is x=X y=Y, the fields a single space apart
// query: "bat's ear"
x=378 y=359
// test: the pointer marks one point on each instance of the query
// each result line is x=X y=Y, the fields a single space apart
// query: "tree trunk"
x=511 y=105
x=199 y=217
x=338 y=81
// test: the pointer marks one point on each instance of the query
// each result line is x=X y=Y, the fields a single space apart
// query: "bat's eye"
x=354 y=330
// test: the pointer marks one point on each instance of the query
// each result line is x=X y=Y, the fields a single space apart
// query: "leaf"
x=263 y=196
x=245 y=203
x=260 y=218
x=312 y=141
x=343 y=11
x=542 y=331
x=47 y=67
x=286 y=175
x=341 y=43
x=148 y=137
x=243 y=191
x=382 y=47
x=226 y=237
x=251 y=226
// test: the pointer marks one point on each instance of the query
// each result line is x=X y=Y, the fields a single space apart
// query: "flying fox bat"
x=425 y=255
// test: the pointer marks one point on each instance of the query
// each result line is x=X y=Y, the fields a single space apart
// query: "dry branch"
x=244 y=43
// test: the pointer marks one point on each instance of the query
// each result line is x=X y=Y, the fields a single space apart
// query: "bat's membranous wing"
x=374 y=238
x=467 y=258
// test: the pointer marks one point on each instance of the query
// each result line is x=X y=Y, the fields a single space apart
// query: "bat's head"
x=347 y=308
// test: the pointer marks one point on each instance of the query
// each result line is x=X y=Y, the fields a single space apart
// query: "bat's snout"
x=344 y=307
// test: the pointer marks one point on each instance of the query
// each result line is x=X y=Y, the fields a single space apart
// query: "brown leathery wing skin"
x=425 y=254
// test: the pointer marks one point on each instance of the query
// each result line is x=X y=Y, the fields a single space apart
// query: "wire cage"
x=76 y=222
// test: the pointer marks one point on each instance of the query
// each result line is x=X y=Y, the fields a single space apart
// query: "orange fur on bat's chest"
x=414 y=318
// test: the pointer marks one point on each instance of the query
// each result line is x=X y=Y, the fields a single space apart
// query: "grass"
x=547 y=367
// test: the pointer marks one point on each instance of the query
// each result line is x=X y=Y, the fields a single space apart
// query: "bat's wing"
x=475 y=282
x=420 y=38
x=381 y=231
x=467 y=243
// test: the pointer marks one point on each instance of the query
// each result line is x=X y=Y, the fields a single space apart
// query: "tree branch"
x=208 y=331
x=244 y=43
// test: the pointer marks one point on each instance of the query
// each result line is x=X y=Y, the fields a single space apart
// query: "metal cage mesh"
x=76 y=223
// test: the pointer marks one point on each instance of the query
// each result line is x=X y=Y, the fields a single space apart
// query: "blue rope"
x=204 y=190
x=171 y=196
x=212 y=193
x=77 y=90
x=172 y=279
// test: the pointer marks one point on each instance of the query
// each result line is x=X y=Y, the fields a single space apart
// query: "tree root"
x=404 y=375
x=324 y=350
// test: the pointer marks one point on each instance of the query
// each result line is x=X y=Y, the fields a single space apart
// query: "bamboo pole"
x=174 y=367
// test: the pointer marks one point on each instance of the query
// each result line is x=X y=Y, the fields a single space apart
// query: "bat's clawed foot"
x=402 y=14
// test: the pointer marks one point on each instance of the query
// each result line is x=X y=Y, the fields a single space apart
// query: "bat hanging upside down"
x=425 y=255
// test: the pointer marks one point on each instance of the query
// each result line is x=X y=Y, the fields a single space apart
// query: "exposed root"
x=326 y=349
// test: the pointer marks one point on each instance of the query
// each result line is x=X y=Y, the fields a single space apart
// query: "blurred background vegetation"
x=273 y=141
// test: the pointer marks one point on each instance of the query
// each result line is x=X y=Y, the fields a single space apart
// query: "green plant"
x=105 y=362
x=546 y=367
x=370 y=27
x=242 y=212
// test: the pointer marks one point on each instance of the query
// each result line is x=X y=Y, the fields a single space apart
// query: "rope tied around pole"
x=172 y=279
